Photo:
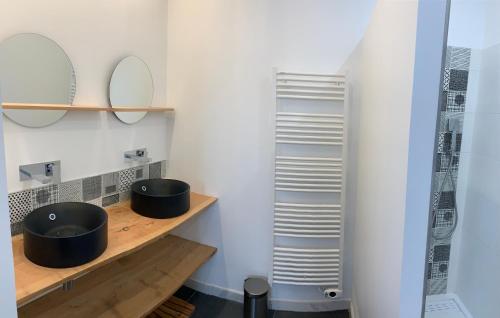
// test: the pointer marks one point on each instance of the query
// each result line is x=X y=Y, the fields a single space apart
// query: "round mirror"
x=131 y=86
x=35 y=70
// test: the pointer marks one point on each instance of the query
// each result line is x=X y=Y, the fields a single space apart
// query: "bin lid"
x=256 y=286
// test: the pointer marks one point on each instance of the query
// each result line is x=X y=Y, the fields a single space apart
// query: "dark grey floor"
x=212 y=307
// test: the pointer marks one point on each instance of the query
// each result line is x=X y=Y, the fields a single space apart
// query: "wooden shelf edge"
x=22 y=106
x=130 y=287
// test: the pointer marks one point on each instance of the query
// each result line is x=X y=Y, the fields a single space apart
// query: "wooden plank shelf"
x=133 y=286
x=22 y=106
x=128 y=232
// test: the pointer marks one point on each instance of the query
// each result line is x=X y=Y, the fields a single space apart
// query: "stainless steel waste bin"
x=255 y=302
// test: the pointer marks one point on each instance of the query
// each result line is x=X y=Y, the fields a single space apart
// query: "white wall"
x=95 y=35
x=396 y=110
x=220 y=59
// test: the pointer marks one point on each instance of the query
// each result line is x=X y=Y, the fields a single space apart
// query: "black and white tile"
x=71 y=191
x=102 y=190
x=126 y=177
x=20 y=205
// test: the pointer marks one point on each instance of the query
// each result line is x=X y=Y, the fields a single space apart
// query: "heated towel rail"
x=309 y=179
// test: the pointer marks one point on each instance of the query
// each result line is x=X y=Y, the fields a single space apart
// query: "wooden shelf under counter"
x=128 y=232
x=132 y=286
x=26 y=106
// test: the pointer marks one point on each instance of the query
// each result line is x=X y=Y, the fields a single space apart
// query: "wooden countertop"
x=128 y=232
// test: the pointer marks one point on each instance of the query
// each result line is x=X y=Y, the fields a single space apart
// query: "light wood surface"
x=127 y=233
x=133 y=286
x=173 y=308
x=22 y=106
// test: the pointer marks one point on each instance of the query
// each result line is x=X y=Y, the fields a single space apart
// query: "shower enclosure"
x=463 y=262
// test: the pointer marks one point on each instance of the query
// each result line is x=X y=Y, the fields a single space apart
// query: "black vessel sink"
x=65 y=234
x=160 y=198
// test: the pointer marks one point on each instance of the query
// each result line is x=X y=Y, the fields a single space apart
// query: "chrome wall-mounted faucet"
x=137 y=155
x=43 y=172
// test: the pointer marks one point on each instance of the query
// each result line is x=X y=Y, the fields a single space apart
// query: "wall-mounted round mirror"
x=131 y=86
x=35 y=70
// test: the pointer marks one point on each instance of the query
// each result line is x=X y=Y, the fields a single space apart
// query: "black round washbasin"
x=65 y=234
x=160 y=198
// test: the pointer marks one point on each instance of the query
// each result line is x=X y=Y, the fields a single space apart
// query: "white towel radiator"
x=309 y=180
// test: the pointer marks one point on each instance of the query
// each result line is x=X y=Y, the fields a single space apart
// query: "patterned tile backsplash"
x=103 y=190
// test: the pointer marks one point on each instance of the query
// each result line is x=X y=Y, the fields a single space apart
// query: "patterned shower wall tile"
x=446 y=200
x=20 y=205
x=458 y=80
x=440 y=147
x=459 y=58
x=435 y=200
x=45 y=195
x=155 y=170
x=442 y=181
x=458 y=142
x=126 y=177
x=92 y=188
x=436 y=286
x=446 y=79
x=443 y=104
x=439 y=270
x=110 y=200
x=16 y=228
x=443 y=163
x=71 y=191
x=456 y=101
x=441 y=253
x=110 y=183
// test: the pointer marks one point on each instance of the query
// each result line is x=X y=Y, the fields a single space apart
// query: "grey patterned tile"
x=459 y=58
x=458 y=80
x=124 y=196
x=20 y=205
x=45 y=195
x=436 y=286
x=91 y=188
x=16 y=228
x=441 y=253
x=155 y=170
x=71 y=191
x=141 y=172
x=97 y=201
x=109 y=200
x=164 y=168
x=110 y=183
x=456 y=101
x=127 y=177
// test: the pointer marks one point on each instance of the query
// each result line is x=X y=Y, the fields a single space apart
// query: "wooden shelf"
x=128 y=232
x=21 y=106
x=133 y=286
